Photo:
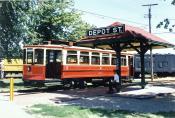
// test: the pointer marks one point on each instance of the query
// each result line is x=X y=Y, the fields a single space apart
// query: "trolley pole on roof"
x=151 y=55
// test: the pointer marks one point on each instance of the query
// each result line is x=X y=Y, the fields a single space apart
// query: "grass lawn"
x=45 y=111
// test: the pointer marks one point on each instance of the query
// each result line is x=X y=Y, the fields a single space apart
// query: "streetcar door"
x=130 y=64
x=53 y=64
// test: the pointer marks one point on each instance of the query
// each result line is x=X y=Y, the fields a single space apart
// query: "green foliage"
x=12 y=19
x=55 y=19
x=34 y=21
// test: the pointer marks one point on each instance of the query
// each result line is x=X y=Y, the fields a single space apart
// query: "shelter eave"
x=105 y=43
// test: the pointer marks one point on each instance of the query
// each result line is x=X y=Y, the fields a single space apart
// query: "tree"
x=12 y=27
x=34 y=21
x=56 y=19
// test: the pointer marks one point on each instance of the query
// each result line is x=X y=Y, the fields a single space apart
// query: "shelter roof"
x=131 y=35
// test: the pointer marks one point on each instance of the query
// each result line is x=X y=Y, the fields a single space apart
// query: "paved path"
x=148 y=92
x=11 y=110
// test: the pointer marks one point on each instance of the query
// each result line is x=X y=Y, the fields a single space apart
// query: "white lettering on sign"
x=114 y=29
x=103 y=31
x=120 y=29
x=94 y=32
x=98 y=31
x=90 y=33
x=106 y=30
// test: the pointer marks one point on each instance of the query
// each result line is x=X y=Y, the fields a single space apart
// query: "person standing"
x=113 y=83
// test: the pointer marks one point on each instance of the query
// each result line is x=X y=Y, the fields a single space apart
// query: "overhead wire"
x=105 y=16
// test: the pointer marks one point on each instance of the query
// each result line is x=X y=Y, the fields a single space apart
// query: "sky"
x=129 y=12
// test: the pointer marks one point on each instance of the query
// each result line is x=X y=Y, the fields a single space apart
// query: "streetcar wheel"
x=81 y=84
x=39 y=84
x=27 y=83
x=68 y=84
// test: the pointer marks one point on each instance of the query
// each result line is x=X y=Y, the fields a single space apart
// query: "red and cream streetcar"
x=58 y=61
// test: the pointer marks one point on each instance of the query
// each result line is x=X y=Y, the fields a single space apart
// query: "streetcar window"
x=160 y=65
x=165 y=63
x=138 y=64
x=72 y=57
x=105 y=59
x=59 y=56
x=29 y=56
x=123 y=60
x=24 y=56
x=147 y=64
x=95 y=59
x=39 y=56
x=84 y=57
x=53 y=56
x=113 y=59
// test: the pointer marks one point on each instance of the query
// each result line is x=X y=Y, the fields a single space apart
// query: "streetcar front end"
x=33 y=64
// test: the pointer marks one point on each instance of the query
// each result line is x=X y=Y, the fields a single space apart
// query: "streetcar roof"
x=67 y=47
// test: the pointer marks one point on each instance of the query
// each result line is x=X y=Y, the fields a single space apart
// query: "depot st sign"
x=106 y=30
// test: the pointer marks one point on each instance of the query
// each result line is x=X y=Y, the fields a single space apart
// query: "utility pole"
x=151 y=55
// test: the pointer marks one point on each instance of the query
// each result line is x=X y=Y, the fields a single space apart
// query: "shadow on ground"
x=98 y=98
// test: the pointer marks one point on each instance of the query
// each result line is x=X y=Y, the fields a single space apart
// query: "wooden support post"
x=142 y=60
x=142 y=70
x=118 y=64
x=143 y=49
x=152 y=64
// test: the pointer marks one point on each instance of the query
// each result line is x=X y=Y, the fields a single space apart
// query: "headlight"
x=28 y=68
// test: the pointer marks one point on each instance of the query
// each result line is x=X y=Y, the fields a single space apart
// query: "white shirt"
x=116 y=78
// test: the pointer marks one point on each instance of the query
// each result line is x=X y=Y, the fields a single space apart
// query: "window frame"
x=69 y=54
x=28 y=51
x=113 y=59
x=97 y=56
x=105 y=55
x=84 y=55
x=55 y=58
x=123 y=60
x=42 y=62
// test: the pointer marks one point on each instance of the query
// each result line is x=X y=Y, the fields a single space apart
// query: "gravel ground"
x=157 y=97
